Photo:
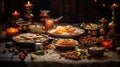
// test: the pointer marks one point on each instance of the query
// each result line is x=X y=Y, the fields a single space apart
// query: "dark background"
x=72 y=10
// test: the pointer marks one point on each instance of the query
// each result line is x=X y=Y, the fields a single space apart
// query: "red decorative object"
x=107 y=43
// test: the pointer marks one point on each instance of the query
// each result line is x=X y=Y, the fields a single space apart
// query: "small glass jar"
x=38 y=46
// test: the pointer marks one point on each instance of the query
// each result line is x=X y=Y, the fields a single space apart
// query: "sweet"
x=66 y=42
x=91 y=26
x=67 y=30
x=29 y=38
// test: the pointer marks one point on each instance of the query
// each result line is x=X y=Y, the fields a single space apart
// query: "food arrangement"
x=76 y=55
x=91 y=26
x=66 y=31
x=35 y=28
x=66 y=42
x=90 y=40
x=29 y=38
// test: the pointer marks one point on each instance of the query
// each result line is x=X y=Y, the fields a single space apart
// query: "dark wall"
x=12 y=5
x=72 y=10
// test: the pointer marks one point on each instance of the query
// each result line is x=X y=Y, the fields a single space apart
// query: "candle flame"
x=114 y=4
x=104 y=5
x=28 y=2
x=15 y=12
x=95 y=0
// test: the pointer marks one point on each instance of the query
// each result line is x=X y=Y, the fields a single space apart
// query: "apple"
x=22 y=56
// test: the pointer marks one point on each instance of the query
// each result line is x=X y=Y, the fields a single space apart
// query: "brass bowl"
x=65 y=47
x=92 y=28
x=68 y=35
x=96 y=51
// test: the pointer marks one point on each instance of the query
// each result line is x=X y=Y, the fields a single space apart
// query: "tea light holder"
x=12 y=31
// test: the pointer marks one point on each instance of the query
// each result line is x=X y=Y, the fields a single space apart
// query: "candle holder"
x=12 y=31
x=15 y=18
x=29 y=16
x=112 y=24
x=103 y=30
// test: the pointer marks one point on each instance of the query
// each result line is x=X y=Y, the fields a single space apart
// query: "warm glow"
x=15 y=13
x=107 y=43
x=104 y=5
x=28 y=2
x=114 y=5
x=12 y=31
x=95 y=0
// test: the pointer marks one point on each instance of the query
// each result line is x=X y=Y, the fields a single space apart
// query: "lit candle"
x=12 y=31
x=95 y=1
x=104 y=5
x=114 y=5
x=28 y=4
x=15 y=14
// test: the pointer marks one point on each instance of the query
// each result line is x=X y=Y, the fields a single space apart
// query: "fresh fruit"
x=12 y=49
x=22 y=56
x=16 y=51
x=33 y=56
